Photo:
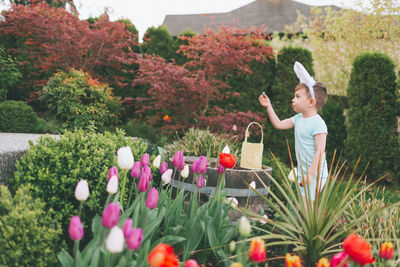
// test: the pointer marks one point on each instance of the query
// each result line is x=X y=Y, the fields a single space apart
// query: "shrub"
x=77 y=101
x=19 y=117
x=55 y=166
x=29 y=234
x=158 y=41
x=334 y=118
x=372 y=132
x=281 y=96
x=9 y=73
x=142 y=130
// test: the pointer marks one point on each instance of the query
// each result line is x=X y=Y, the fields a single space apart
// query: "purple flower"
x=200 y=182
x=136 y=169
x=134 y=240
x=113 y=171
x=221 y=169
x=145 y=160
x=195 y=166
x=75 y=228
x=163 y=167
x=144 y=182
x=203 y=165
x=110 y=215
x=178 y=161
x=127 y=227
x=152 y=198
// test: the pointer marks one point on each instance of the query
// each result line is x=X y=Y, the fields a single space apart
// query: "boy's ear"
x=313 y=101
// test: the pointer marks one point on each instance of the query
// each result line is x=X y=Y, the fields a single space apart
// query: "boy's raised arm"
x=276 y=122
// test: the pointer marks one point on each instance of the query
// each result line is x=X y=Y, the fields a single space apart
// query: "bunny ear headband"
x=304 y=77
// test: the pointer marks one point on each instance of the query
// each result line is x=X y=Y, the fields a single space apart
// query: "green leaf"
x=65 y=259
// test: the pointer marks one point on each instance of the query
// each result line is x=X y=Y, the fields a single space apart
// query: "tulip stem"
x=121 y=196
x=130 y=195
x=343 y=262
x=76 y=251
x=80 y=208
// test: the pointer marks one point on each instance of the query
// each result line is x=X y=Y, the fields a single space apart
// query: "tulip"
x=292 y=174
x=358 y=249
x=112 y=172
x=232 y=246
x=162 y=255
x=232 y=201
x=265 y=220
x=112 y=185
x=236 y=264
x=185 y=172
x=166 y=176
x=221 y=169
x=157 y=162
x=200 y=182
x=338 y=258
x=177 y=160
x=227 y=160
x=115 y=240
x=125 y=158
x=195 y=166
x=253 y=185
x=82 y=190
x=323 y=262
x=110 y=215
x=127 y=227
x=257 y=251
x=145 y=160
x=191 y=263
x=152 y=198
x=163 y=167
x=203 y=165
x=234 y=128
x=244 y=226
x=136 y=170
x=75 y=228
x=147 y=171
x=144 y=182
x=226 y=150
x=134 y=240
x=386 y=251
x=292 y=261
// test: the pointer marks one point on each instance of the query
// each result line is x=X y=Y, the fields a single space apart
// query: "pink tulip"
x=195 y=166
x=163 y=167
x=110 y=215
x=113 y=171
x=221 y=169
x=147 y=171
x=75 y=228
x=178 y=161
x=136 y=170
x=144 y=182
x=152 y=198
x=127 y=227
x=337 y=259
x=191 y=263
x=134 y=240
x=200 y=182
x=145 y=160
x=203 y=165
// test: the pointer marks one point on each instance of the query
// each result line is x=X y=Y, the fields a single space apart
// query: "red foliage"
x=57 y=40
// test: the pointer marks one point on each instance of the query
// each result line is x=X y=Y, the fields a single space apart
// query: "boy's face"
x=301 y=101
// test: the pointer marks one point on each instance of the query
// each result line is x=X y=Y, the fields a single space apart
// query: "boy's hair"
x=320 y=93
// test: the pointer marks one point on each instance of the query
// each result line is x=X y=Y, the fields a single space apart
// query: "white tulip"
x=244 y=226
x=265 y=219
x=125 y=158
x=232 y=201
x=157 y=162
x=226 y=150
x=292 y=175
x=115 y=240
x=112 y=186
x=82 y=190
x=253 y=185
x=166 y=176
x=185 y=172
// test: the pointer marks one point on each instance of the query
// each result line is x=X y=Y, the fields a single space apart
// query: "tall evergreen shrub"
x=158 y=41
x=372 y=131
x=281 y=96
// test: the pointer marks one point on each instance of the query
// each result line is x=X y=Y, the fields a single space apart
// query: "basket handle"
x=247 y=131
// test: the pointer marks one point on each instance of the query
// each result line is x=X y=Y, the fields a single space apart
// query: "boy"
x=309 y=129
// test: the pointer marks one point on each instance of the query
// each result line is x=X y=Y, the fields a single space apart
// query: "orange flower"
x=257 y=250
x=323 y=262
x=227 y=160
x=292 y=261
x=167 y=118
x=162 y=256
x=386 y=251
x=358 y=249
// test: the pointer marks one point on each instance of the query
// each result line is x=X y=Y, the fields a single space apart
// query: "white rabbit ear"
x=304 y=77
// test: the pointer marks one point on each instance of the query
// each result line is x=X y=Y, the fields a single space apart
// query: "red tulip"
x=162 y=256
x=323 y=262
x=227 y=160
x=386 y=251
x=292 y=261
x=110 y=215
x=75 y=228
x=191 y=263
x=152 y=198
x=338 y=258
x=358 y=249
x=257 y=251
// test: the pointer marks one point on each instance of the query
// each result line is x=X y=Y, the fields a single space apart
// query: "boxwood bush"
x=55 y=166
x=29 y=233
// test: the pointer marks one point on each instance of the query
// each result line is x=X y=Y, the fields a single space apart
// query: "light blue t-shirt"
x=304 y=131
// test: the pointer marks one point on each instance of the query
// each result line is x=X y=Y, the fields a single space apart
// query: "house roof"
x=274 y=14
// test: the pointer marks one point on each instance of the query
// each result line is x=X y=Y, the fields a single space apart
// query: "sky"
x=146 y=13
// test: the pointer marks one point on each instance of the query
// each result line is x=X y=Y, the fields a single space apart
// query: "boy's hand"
x=264 y=100
x=306 y=181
